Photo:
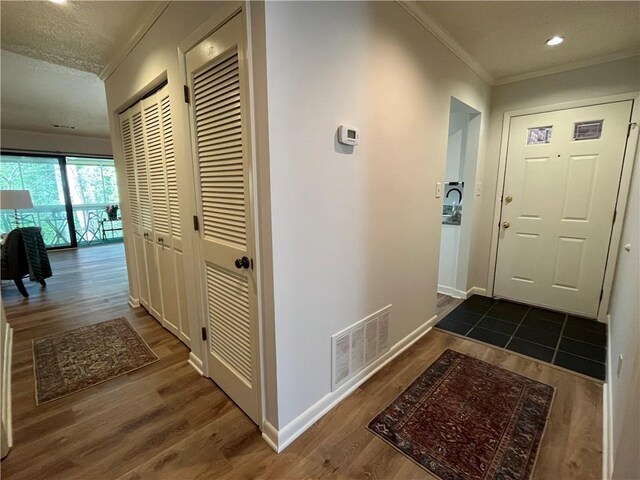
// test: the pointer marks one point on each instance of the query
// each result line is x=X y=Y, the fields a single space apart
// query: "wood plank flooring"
x=165 y=421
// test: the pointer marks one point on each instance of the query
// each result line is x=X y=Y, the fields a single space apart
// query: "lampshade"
x=15 y=199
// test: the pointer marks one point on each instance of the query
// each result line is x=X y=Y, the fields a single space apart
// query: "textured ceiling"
x=507 y=37
x=36 y=94
x=81 y=35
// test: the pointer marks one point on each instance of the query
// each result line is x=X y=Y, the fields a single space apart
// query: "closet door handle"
x=242 y=263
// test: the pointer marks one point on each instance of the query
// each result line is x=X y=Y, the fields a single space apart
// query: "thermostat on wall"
x=348 y=135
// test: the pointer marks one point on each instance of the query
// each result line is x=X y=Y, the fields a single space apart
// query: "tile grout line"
x=518 y=327
x=483 y=315
x=564 y=325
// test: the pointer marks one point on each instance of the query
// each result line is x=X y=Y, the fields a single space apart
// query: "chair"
x=24 y=253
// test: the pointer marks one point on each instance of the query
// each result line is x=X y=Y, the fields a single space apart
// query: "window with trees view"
x=70 y=197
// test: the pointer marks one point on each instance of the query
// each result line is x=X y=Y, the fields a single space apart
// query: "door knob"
x=506 y=224
x=508 y=199
x=242 y=263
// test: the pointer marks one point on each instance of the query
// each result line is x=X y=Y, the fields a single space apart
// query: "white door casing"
x=217 y=71
x=558 y=205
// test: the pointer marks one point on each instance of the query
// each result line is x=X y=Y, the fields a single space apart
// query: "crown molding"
x=126 y=47
x=567 y=67
x=446 y=39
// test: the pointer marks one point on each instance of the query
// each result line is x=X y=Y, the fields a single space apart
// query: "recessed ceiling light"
x=59 y=2
x=555 y=40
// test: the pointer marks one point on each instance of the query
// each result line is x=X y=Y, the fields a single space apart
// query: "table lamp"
x=14 y=200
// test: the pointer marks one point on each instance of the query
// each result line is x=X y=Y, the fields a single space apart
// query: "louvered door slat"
x=130 y=170
x=228 y=106
x=144 y=201
x=218 y=123
x=157 y=180
x=228 y=296
x=220 y=150
x=170 y=164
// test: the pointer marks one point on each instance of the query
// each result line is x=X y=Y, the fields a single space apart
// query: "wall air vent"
x=63 y=127
x=359 y=345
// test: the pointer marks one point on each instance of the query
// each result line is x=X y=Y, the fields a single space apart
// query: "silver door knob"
x=506 y=225
x=508 y=199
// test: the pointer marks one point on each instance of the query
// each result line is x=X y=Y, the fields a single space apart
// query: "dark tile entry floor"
x=574 y=343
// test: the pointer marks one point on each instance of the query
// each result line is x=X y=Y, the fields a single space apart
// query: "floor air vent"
x=357 y=346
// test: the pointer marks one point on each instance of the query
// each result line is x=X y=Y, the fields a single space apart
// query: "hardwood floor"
x=165 y=421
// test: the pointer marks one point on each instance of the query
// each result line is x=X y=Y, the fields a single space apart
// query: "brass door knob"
x=508 y=199
x=506 y=225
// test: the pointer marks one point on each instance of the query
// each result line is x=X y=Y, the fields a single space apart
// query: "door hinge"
x=204 y=334
x=186 y=95
x=631 y=125
x=196 y=223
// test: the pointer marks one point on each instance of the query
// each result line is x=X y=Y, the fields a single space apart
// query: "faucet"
x=455 y=190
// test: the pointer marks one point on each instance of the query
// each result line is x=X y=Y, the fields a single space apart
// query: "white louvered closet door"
x=221 y=156
x=133 y=148
x=163 y=200
x=172 y=264
x=148 y=173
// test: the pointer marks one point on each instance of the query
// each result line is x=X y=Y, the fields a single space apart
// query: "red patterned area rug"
x=67 y=362
x=467 y=419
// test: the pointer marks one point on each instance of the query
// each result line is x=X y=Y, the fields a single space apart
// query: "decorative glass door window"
x=591 y=130
x=539 y=135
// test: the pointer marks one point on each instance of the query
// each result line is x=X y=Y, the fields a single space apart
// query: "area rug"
x=467 y=419
x=71 y=361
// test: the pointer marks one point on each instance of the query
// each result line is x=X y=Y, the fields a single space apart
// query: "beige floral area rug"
x=71 y=361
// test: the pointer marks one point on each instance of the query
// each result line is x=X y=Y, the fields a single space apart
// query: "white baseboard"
x=196 y=364
x=134 y=302
x=477 y=291
x=280 y=439
x=5 y=408
x=452 y=292
x=607 y=413
x=270 y=435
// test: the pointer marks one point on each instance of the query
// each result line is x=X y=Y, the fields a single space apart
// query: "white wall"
x=54 y=143
x=457 y=145
x=624 y=339
x=354 y=229
x=611 y=78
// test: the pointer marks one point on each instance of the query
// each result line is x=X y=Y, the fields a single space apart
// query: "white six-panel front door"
x=561 y=184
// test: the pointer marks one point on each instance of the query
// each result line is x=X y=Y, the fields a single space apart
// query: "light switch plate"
x=439 y=187
x=478 y=189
